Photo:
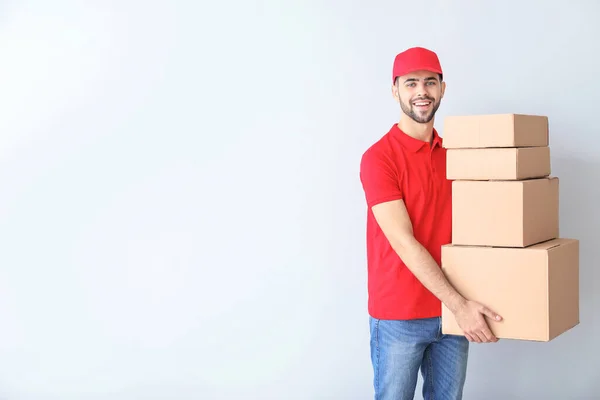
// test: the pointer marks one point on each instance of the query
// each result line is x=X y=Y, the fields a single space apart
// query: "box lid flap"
x=550 y=244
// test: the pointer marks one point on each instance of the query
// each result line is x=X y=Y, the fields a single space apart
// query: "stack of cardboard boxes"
x=506 y=251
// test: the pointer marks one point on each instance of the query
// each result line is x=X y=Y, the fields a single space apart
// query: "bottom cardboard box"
x=535 y=289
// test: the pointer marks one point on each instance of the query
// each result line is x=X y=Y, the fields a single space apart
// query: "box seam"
x=513 y=118
x=549 y=320
x=517 y=156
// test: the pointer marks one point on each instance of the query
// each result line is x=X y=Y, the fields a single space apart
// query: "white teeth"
x=421 y=104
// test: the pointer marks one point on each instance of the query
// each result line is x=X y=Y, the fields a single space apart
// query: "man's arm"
x=395 y=223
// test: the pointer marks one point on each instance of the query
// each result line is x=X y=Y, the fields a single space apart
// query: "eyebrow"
x=431 y=78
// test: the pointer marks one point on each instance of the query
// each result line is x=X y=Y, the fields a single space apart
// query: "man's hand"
x=470 y=317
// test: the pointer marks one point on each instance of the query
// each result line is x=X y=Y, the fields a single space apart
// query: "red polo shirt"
x=401 y=167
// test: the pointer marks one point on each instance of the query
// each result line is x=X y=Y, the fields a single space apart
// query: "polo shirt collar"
x=413 y=144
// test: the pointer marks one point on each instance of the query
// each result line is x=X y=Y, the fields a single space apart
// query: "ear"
x=395 y=93
x=443 y=89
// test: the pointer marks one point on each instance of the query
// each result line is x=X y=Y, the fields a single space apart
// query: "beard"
x=418 y=116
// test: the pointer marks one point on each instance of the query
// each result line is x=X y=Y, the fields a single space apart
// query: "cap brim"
x=430 y=69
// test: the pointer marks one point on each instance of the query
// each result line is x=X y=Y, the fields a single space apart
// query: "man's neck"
x=416 y=130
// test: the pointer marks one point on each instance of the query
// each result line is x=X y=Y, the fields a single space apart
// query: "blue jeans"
x=400 y=348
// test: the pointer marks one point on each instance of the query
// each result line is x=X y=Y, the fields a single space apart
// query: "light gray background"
x=180 y=210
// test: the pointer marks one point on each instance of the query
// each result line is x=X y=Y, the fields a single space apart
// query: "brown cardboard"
x=534 y=289
x=495 y=130
x=498 y=163
x=505 y=213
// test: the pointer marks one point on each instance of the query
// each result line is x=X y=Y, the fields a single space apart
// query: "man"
x=409 y=218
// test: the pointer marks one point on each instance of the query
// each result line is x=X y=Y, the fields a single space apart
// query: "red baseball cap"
x=416 y=59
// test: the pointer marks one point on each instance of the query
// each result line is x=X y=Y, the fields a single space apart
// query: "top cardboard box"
x=495 y=130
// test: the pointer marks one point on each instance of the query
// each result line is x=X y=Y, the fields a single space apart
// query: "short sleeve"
x=379 y=177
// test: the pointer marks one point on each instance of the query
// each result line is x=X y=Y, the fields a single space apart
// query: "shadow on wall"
x=579 y=183
x=521 y=369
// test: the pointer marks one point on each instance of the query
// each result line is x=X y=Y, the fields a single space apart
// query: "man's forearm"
x=420 y=262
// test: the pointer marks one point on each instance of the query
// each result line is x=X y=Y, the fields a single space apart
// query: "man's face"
x=419 y=95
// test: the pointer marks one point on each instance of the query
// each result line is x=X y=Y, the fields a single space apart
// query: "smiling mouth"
x=422 y=104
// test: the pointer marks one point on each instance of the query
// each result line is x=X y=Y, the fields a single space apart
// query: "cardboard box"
x=502 y=164
x=495 y=130
x=534 y=289
x=505 y=213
